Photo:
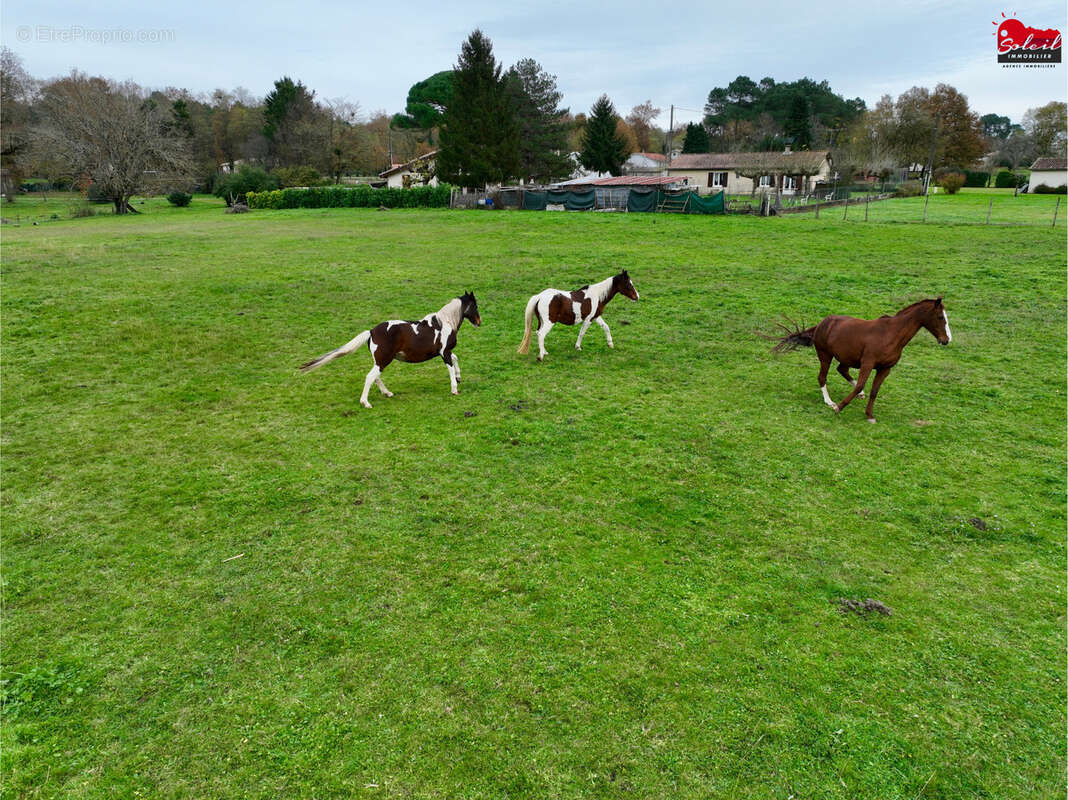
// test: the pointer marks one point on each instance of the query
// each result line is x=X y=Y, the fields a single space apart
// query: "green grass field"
x=614 y=574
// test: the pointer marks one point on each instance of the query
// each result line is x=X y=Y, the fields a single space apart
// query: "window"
x=789 y=183
x=765 y=180
x=717 y=179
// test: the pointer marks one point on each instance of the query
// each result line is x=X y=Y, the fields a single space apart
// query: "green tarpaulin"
x=638 y=200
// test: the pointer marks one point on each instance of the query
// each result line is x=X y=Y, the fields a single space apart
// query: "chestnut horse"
x=867 y=345
x=583 y=305
x=414 y=342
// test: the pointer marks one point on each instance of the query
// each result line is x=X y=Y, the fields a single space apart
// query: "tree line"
x=488 y=124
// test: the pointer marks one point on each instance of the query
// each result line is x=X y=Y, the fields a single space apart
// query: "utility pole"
x=671 y=131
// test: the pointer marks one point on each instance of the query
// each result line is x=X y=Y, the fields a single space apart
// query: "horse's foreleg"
x=825 y=366
x=843 y=370
x=456 y=366
x=582 y=332
x=447 y=358
x=877 y=381
x=858 y=387
x=543 y=331
x=607 y=333
x=372 y=376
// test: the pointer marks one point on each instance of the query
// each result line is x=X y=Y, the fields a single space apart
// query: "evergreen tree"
x=479 y=130
x=696 y=140
x=603 y=149
x=542 y=131
x=797 y=123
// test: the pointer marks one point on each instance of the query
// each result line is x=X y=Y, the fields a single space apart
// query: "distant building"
x=1051 y=172
x=736 y=173
x=417 y=172
x=645 y=164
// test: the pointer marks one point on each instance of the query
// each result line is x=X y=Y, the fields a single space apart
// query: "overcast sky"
x=371 y=53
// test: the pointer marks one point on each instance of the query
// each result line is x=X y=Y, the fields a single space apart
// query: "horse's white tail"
x=524 y=346
x=344 y=350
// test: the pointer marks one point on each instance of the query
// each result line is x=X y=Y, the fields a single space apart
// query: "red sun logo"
x=1019 y=42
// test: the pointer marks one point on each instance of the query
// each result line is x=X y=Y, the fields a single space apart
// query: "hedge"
x=976 y=180
x=362 y=196
x=1008 y=180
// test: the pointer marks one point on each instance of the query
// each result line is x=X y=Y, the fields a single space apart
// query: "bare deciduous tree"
x=109 y=134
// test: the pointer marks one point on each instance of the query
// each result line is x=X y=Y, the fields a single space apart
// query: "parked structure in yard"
x=1051 y=172
x=417 y=172
x=741 y=173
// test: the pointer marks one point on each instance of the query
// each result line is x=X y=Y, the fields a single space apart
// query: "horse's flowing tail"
x=795 y=337
x=344 y=350
x=528 y=320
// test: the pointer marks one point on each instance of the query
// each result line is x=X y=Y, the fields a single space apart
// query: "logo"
x=1019 y=43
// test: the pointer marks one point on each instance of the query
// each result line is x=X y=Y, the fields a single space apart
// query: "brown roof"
x=1060 y=164
x=653 y=156
x=729 y=160
x=400 y=167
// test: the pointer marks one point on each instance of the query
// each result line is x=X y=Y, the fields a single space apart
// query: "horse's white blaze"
x=945 y=319
x=827 y=396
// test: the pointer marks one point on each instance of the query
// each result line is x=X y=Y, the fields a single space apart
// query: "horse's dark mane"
x=914 y=305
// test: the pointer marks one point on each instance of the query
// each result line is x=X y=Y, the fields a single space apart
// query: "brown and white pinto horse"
x=867 y=345
x=583 y=305
x=414 y=342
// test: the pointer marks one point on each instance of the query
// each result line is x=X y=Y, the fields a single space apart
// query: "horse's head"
x=625 y=286
x=469 y=308
x=936 y=320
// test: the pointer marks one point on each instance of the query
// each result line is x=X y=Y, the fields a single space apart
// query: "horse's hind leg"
x=382 y=387
x=843 y=370
x=372 y=376
x=825 y=367
x=543 y=331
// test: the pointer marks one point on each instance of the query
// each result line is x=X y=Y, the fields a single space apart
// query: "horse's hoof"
x=365 y=404
x=871 y=420
x=837 y=408
x=387 y=394
x=455 y=391
x=577 y=347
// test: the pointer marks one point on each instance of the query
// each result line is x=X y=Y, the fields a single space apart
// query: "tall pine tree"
x=479 y=130
x=542 y=130
x=696 y=139
x=603 y=149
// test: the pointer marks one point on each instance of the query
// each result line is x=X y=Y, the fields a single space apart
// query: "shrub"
x=180 y=199
x=298 y=176
x=976 y=180
x=361 y=196
x=952 y=182
x=909 y=189
x=234 y=186
x=1008 y=180
x=1044 y=189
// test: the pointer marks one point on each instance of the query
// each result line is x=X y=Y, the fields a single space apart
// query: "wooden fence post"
x=989 y=208
x=926 y=197
x=1055 y=210
x=817 y=208
x=867 y=197
x=845 y=209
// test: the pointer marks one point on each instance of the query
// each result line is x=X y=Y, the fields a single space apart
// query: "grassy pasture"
x=614 y=574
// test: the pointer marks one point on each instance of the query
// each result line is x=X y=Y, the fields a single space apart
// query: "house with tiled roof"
x=417 y=172
x=1051 y=172
x=742 y=173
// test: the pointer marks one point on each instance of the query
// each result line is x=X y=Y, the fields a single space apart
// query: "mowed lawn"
x=618 y=573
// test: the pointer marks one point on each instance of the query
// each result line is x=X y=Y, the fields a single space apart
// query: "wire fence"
x=980 y=208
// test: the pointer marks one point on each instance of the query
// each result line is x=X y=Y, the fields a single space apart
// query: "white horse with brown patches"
x=432 y=336
x=583 y=306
